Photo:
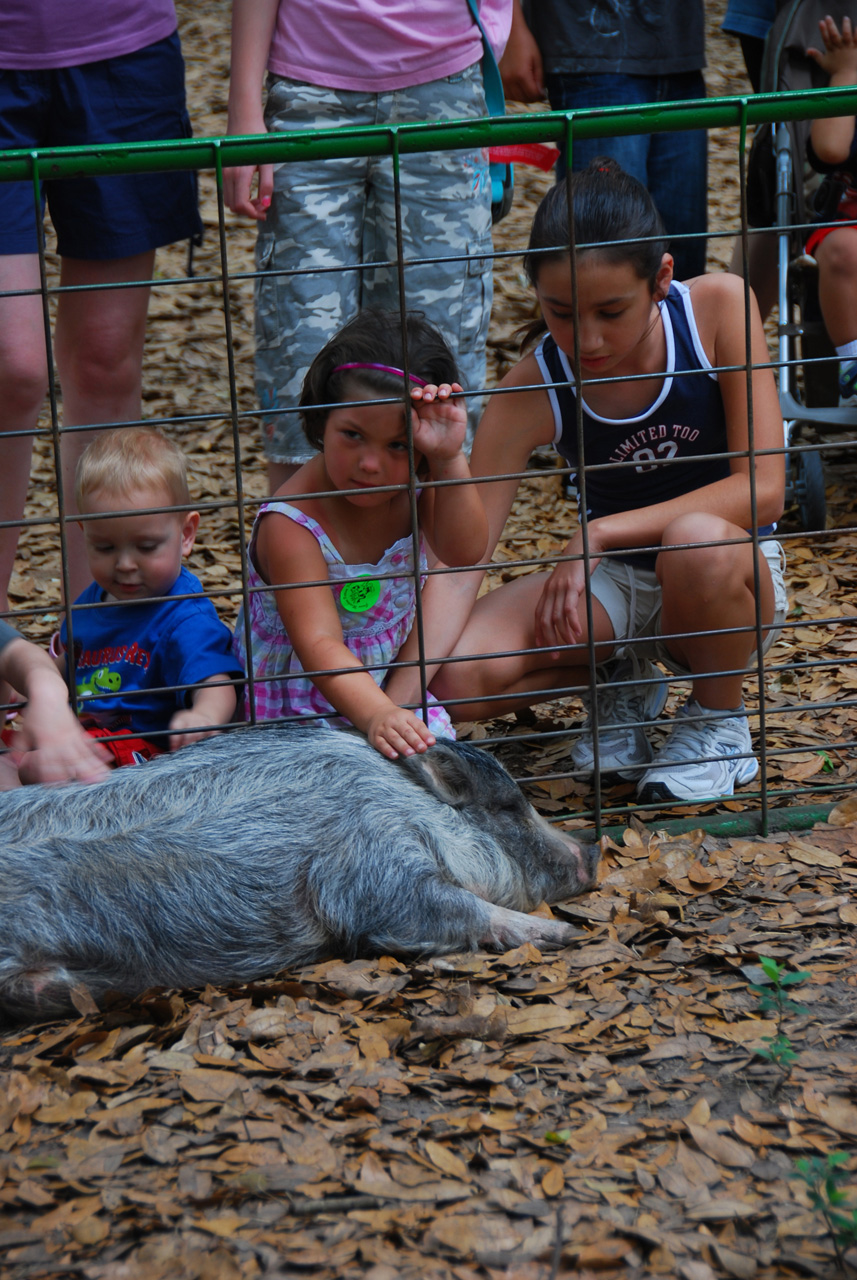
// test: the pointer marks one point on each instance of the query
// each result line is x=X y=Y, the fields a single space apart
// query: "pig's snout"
x=584 y=857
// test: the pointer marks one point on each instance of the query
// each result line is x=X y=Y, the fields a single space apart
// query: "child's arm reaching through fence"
x=50 y=745
x=310 y=618
x=212 y=704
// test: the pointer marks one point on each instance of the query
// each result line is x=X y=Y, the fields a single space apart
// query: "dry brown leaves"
x=595 y=1112
x=599 y=1112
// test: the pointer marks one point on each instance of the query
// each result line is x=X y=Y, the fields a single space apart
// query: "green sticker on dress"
x=361 y=595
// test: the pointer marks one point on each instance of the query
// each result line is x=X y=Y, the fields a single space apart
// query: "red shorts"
x=124 y=747
x=846 y=211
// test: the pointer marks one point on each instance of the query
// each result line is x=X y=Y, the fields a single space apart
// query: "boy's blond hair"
x=126 y=460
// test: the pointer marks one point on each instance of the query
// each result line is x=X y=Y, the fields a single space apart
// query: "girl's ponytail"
x=613 y=212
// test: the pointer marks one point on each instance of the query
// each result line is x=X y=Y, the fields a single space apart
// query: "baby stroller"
x=781 y=192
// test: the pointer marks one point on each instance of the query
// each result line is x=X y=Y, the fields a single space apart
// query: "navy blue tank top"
x=661 y=453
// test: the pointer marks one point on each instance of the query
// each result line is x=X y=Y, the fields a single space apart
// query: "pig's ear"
x=444 y=772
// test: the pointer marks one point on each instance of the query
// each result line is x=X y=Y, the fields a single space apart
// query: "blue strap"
x=501 y=174
x=495 y=98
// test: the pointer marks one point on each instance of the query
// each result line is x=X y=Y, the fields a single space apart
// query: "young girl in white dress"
x=332 y=575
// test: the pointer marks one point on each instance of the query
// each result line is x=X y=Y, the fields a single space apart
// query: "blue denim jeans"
x=674 y=166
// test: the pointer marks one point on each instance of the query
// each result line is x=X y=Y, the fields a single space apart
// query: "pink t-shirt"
x=378 y=45
x=37 y=35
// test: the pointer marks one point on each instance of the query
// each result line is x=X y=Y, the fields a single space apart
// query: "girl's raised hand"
x=440 y=421
x=395 y=731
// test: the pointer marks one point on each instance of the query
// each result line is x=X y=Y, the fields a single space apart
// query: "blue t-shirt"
x=7 y=634
x=127 y=655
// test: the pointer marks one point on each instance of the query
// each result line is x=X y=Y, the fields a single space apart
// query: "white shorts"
x=631 y=598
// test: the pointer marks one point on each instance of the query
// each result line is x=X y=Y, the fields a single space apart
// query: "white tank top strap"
x=279 y=507
x=690 y=316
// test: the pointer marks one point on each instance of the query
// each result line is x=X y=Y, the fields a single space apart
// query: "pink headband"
x=385 y=368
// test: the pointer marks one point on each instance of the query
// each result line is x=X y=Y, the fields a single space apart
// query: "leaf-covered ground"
x=601 y=1112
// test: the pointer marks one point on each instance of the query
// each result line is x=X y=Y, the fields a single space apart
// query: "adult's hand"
x=521 y=65
x=253 y=24
x=65 y=753
x=238 y=190
x=50 y=745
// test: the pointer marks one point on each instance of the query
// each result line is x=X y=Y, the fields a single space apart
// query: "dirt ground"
x=604 y=1112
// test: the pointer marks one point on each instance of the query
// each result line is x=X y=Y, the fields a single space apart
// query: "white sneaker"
x=624 y=705
x=705 y=756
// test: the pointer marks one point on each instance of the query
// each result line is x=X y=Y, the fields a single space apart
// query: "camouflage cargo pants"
x=330 y=221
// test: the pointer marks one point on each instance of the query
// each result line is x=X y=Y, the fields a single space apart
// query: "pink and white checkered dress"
x=374 y=633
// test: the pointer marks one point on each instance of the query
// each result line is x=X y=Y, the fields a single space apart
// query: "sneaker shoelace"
x=630 y=698
x=621 y=689
x=690 y=735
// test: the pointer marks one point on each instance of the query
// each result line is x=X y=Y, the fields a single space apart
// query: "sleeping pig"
x=266 y=848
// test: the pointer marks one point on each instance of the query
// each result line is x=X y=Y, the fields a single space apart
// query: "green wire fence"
x=55 y=164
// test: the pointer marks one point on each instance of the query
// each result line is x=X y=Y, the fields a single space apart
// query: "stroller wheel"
x=807 y=485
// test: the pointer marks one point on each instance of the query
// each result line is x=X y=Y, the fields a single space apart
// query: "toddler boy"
x=146 y=660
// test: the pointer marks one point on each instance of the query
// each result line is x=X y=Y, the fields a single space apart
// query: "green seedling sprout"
x=824 y=1177
x=773 y=998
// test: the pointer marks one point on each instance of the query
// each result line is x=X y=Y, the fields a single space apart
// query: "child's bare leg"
x=23 y=383
x=762 y=268
x=705 y=590
x=503 y=623
x=837 y=284
x=708 y=589
x=837 y=293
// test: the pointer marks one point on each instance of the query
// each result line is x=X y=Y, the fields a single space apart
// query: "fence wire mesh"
x=795 y=698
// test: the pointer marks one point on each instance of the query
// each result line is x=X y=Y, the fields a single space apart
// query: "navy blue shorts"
x=137 y=97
